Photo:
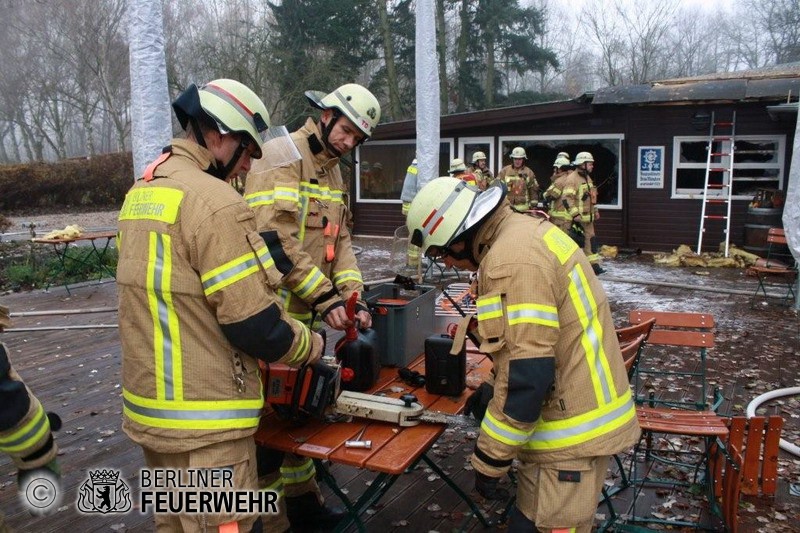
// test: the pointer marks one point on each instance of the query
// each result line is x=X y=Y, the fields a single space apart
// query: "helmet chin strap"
x=326 y=130
x=222 y=171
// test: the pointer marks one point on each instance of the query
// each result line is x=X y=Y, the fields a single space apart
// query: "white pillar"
x=791 y=210
x=151 y=116
x=428 y=112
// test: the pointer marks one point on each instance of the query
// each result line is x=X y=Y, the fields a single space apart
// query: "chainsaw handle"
x=350 y=305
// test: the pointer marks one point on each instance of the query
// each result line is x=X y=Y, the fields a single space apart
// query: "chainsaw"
x=315 y=391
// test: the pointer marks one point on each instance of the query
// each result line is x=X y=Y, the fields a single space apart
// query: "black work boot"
x=306 y=513
x=598 y=269
x=519 y=523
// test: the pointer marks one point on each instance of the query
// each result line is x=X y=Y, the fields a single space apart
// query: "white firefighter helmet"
x=231 y=105
x=447 y=207
x=519 y=153
x=477 y=156
x=583 y=157
x=565 y=155
x=353 y=101
x=457 y=165
x=561 y=161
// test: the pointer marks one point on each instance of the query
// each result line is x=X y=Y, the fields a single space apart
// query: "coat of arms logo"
x=104 y=492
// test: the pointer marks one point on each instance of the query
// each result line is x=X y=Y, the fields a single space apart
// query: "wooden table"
x=98 y=252
x=394 y=449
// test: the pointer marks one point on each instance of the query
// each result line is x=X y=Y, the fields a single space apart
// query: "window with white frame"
x=542 y=151
x=757 y=164
x=382 y=166
x=467 y=146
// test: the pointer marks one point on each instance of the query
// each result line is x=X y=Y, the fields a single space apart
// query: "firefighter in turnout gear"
x=562 y=404
x=305 y=203
x=407 y=194
x=579 y=197
x=559 y=215
x=197 y=303
x=523 y=189
x=26 y=431
x=481 y=170
x=459 y=170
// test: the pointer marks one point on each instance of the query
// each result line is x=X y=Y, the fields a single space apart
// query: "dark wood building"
x=649 y=143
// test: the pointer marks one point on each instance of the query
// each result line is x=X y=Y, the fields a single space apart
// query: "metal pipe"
x=683 y=286
x=65 y=312
x=59 y=328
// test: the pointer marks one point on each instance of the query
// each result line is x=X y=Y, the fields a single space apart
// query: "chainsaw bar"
x=437 y=417
x=403 y=411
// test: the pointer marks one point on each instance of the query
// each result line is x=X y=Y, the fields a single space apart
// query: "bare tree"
x=395 y=107
x=631 y=38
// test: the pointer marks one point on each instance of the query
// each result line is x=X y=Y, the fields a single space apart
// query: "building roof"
x=770 y=83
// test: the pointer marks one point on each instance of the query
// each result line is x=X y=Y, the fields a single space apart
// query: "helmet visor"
x=278 y=148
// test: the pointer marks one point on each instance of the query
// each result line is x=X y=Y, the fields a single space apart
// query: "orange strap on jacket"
x=151 y=168
x=229 y=527
x=330 y=249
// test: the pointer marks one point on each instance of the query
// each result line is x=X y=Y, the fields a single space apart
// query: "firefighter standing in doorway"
x=523 y=189
x=579 y=196
x=481 y=170
x=562 y=404
x=196 y=300
x=559 y=215
x=305 y=204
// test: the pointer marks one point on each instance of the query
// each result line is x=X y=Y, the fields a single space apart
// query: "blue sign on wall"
x=651 y=167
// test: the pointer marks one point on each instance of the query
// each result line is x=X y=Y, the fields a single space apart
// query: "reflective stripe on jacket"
x=554 y=195
x=523 y=189
x=24 y=427
x=191 y=264
x=577 y=192
x=305 y=203
x=539 y=299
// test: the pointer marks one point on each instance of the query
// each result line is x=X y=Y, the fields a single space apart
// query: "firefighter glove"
x=479 y=400
x=487 y=487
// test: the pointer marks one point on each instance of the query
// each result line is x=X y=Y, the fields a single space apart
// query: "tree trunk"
x=441 y=45
x=462 y=72
x=3 y=153
x=489 y=71
x=88 y=130
x=15 y=143
x=395 y=108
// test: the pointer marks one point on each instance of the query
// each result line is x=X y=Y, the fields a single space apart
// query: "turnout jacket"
x=305 y=202
x=483 y=177
x=558 y=211
x=560 y=390
x=523 y=189
x=579 y=196
x=197 y=307
x=24 y=426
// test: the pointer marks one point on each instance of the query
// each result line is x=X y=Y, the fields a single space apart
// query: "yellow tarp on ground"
x=684 y=256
